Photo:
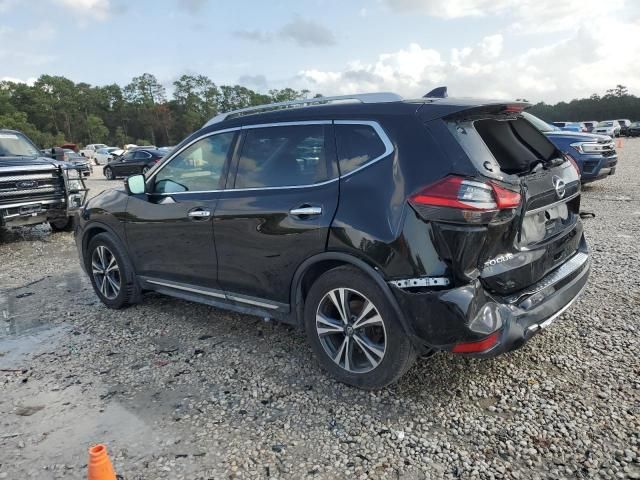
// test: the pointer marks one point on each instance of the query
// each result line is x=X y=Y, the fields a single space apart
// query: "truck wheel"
x=62 y=224
x=109 y=173
x=111 y=272
x=354 y=331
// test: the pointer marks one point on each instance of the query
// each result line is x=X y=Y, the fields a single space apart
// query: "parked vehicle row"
x=613 y=128
x=384 y=228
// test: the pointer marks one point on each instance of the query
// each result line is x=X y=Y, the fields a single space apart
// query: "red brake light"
x=460 y=193
x=505 y=198
x=477 y=346
x=573 y=163
x=514 y=108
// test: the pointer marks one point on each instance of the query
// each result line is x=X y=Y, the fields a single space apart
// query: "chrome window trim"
x=373 y=124
x=382 y=135
x=178 y=152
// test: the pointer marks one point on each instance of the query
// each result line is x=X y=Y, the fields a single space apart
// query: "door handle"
x=306 y=211
x=199 y=214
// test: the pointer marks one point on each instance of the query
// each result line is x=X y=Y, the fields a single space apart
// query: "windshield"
x=605 y=124
x=13 y=144
x=538 y=123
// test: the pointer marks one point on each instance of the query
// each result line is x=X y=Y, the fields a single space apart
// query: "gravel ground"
x=178 y=390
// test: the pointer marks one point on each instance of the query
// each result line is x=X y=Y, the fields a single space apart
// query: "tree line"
x=56 y=110
x=615 y=104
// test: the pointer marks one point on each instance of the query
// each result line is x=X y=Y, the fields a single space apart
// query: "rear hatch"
x=517 y=217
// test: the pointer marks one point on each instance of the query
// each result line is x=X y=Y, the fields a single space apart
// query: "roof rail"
x=380 y=97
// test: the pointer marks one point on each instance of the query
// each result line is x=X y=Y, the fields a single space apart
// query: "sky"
x=541 y=50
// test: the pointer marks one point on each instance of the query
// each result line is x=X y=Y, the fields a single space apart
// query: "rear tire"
x=108 y=173
x=370 y=350
x=110 y=271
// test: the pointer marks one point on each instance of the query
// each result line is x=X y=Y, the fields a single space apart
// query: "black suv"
x=385 y=228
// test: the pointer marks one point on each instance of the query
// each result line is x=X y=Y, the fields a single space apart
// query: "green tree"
x=96 y=131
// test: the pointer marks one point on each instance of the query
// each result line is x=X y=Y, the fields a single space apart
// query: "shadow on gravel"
x=25 y=234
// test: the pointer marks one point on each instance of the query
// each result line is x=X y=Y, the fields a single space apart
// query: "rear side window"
x=282 y=156
x=357 y=145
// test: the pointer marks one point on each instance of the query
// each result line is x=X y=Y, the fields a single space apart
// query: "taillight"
x=574 y=164
x=477 y=346
x=464 y=200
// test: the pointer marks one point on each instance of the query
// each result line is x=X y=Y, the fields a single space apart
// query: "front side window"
x=282 y=156
x=357 y=145
x=197 y=168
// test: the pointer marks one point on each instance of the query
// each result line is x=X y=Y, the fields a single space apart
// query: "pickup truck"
x=90 y=150
x=35 y=188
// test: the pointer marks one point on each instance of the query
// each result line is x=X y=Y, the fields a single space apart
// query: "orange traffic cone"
x=100 y=467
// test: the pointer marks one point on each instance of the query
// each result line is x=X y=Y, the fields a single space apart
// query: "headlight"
x=589 y=147
x=73 y=180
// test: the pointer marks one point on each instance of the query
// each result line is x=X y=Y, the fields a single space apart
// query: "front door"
x=278 y=212
x=170 y=229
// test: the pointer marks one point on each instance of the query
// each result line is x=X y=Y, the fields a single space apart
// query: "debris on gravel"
x=183 y=391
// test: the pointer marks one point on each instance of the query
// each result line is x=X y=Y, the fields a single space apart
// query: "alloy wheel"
x=351 y=330
x=106 y=272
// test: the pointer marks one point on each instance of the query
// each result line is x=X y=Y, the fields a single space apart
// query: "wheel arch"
x=313 y=267
x=93 y=229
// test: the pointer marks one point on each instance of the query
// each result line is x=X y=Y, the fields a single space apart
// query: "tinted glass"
x=357 y=145
x=15 y=144
x=282 y=156
x=197 y=168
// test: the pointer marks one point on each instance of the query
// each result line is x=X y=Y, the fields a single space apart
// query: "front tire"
x=108 y=173
x=354 y=330
x=111 y=272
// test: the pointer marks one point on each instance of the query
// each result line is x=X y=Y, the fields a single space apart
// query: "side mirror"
x=57 y=153
x=135 y=185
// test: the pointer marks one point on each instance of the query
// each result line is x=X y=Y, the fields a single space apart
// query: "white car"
x=90 y=150
x=608 y=127
x=105 y=155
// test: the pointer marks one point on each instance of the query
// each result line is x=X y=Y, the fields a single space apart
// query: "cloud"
x=307 y=33
x=6 y=5
x=304 y=33
x=192 y=6
x=255 y=82
x=98 y=9
x=590 y=60
x=28 y=81
x=528 y=16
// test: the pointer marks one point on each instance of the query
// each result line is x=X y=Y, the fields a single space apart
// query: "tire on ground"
x=129 y=290
x=400 y=353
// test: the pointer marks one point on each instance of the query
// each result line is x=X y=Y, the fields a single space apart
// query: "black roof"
x=431 y=108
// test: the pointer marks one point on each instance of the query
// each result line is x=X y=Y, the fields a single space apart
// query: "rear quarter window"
x=357 y=145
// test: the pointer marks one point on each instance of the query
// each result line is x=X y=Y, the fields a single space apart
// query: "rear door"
x=121 y=165
x=277 y=210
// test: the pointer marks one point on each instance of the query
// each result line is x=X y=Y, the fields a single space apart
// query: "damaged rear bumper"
x=442 y=320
